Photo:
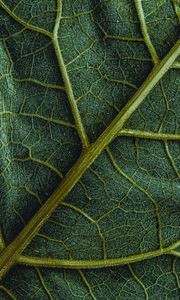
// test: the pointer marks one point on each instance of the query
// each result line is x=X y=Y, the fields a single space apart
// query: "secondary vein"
x=149 y=197
x=91 y=264
x=96 y=263
x=149 y=135
x=23 y=23
x=67 y=83
x=140 y=12
x=68 y=87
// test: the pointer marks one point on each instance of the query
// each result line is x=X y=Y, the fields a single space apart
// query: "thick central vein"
x=11 y=253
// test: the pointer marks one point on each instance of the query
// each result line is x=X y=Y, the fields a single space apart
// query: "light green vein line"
x=87 y=284
x=140 y=12
x=50 y=120
x=32 y=54
x=149 y=135
x=77 y=209
x=48 y=165
x=176 y=5
x=176 y=65
x=12 y=35
x=18 y=215
x=135 y=58
x=44 y=84
x=121 y=82
x=171 y=159
x=175 y=273
x=8 y=292
x=124 y=82
x=116 y=37
x=136 y=185
x=43 y=283
x=81 y=212
x=123 y=38
x=77 y=15
x=81 y=54
x=138 y=281
x=11 y=252
x=23 y=23
x=175 y=253
x=36 y=196
x=50 y=239
x=69 y=91
x=93 y=264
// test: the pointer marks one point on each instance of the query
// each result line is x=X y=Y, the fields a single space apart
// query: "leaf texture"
x=90 y=149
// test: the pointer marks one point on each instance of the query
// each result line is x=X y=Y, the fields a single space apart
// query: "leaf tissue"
x=89 y=149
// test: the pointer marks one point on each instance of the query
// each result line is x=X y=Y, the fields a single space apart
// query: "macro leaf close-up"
x=89 y=150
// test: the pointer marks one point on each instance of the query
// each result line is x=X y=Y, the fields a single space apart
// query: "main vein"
x=11 y=252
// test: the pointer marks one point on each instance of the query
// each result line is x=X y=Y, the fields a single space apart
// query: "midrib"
x=11 y=252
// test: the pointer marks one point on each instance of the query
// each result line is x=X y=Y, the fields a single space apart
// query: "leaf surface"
x=90 y=149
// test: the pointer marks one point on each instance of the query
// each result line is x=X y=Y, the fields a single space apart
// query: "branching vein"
x=87 y=284
x=69 y=91
x=43 y=283
x=138 y=281
x=140 y=12
x=149 y=197
x=23 y=23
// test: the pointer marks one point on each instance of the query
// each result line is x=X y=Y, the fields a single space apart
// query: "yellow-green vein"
x=23 y=23
x=136 y=185
x=87 y=284
x=171 y=159
x=138 y=281
x=43 y=283
x=149 y=135
x=140 y=12
x=8 y=292
x=67 y=83
x=95 y=263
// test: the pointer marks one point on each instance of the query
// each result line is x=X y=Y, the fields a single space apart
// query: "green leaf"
x=90 y=149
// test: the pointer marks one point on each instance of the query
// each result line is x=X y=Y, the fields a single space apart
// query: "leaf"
x=90 y=152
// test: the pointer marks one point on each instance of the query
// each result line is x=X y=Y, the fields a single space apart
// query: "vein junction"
x=68 y=88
